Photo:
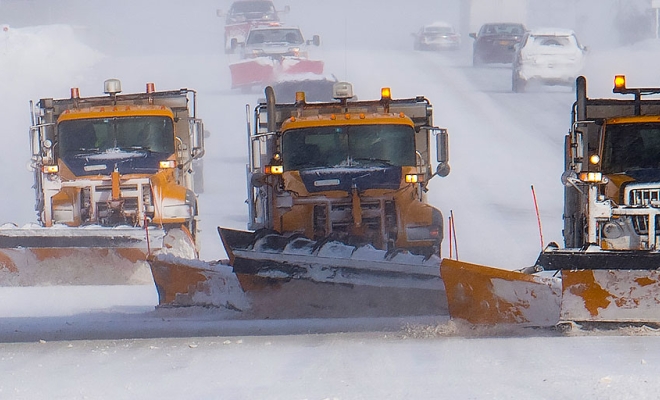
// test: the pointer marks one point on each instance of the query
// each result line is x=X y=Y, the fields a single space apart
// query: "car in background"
x=495 y=43
x=437 y=36
x=549 y=56
x=244 y=15
x=277 y=41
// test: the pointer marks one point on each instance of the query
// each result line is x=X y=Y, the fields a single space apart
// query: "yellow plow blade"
x=488 y=296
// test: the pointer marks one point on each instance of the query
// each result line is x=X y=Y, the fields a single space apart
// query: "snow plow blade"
x=299 y=284
x=595 y=286
x=274 y=256
x=257 y=71
x=487 y=296
x=607 y=286
x=262 y=71
x=183 y=282
x=76 y=256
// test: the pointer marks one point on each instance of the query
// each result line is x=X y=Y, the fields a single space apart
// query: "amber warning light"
x=620 y=82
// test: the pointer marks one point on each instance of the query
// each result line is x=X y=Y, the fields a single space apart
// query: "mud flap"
x=488 y=296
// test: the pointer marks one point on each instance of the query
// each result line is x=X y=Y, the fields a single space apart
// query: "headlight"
x=178 y=211
x=50 y=169
x=593 y=177
x=414 y=178
x=429 y=232
x=167 y=164
x=613 y=230
x=274 y=169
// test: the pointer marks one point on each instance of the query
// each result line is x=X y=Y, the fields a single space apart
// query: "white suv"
x=549 y=56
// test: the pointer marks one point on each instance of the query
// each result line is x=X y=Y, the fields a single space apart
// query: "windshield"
x=241 y=7
x=552 y=41
x=342 y=146
x=154 y=134
x=502 y=29
x=442 y=30
x=631 y=146
x=291 y=36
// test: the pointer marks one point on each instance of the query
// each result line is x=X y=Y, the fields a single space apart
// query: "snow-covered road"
x=108 y=342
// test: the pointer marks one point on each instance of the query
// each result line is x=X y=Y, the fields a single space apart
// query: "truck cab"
x=120 y=159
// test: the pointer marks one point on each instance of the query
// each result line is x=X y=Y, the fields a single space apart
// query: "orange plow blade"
x=488 y=296
x=76 y=256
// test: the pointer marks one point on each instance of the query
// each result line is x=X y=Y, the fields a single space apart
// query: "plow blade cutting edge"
x=302 y=280
x=76 y=256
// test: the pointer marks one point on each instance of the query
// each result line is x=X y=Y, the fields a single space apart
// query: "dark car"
x=495 y=43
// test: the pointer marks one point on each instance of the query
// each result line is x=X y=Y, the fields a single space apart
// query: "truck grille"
x=336 y=218
x=641 y=224
x=642 y=195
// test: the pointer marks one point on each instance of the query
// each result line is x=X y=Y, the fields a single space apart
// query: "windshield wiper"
x=135 y=148
x=374 y=160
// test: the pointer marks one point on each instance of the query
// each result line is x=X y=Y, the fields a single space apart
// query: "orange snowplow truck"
x=343 y=172
x=114 y=180
x=608 y=269
x=336 y=200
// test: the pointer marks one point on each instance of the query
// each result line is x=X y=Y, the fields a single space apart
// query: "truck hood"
x=645 y=175
x=126 y=162
x=345 y=178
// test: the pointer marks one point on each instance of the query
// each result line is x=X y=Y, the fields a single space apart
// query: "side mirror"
x=442 y=151
x=473 y=35
x=197 y=138
x=585 y=49
x=316 y=40
x=35 y=141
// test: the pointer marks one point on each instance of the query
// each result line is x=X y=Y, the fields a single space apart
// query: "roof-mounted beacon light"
x=619 y=83
x=75 y=93
x=385 y=94
x=151 y=87
x=385 y=98
x=112 y=86
x=342 y=91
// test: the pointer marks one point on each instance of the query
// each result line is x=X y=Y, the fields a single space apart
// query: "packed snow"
x=109 y=342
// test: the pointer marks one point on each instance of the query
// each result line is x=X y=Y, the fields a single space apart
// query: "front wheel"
x=476 y=60
x=518 y=84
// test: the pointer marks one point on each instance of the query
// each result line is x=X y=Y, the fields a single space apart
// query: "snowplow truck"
x=337 y=212
x=114 y=181
x=343 y=179
x=609 y=264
